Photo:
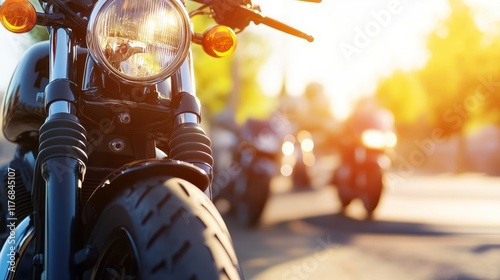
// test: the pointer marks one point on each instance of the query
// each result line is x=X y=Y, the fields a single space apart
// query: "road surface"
x=427 y=227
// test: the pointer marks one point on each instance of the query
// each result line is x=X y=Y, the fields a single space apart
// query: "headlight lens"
x=378 y=139
x=141 y=42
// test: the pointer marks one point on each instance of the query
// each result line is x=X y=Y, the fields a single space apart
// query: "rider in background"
x=316 y=117
x=311 y=118
x=367 y=113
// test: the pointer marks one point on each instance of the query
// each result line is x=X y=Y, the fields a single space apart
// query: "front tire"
x=372 y=194
x=343 y=183
x=162 y=228
x=300 y=176
x=251 y=205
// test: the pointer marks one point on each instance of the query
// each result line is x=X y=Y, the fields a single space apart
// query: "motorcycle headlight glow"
x=378 y=139
x=141 y=42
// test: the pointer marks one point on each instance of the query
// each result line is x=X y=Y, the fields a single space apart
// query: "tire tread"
x=177 y=230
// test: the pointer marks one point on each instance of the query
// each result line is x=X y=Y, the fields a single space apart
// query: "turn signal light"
x=219 y=41
x=18 y=16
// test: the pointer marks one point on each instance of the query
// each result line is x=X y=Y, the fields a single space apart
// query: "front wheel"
x=251 y=204
x=371 y=195
x=342 y=182
x=162 y=228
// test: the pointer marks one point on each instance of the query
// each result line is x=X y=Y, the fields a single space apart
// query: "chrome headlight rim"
x=97 y=53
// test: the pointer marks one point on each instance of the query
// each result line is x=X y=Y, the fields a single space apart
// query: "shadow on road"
x=289 y=241
x=345 y=224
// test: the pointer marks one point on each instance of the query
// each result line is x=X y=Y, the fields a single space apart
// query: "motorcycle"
x=360 y=175
x=243 y=180
x=112 y=173
x=298 y=156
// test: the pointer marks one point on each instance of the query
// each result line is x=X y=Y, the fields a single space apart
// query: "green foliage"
x=222 y=83
x=252 y=53
x=404 y=95
x=213 y=80
x=449 y=92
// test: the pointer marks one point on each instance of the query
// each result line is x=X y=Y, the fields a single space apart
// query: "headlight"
x=288 y=146
x=378 y=139
x=139 y=41
x=306 y=141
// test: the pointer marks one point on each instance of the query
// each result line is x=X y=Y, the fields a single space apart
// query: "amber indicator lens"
x=219 y=41
x=18 y=16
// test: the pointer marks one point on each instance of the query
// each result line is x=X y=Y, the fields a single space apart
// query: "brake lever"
x=257 y=17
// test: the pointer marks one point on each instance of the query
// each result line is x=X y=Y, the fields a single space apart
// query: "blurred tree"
x=454 y=91
x=231 y=82
x=459 y=57
x=213 y=80
x=249 y=97
x=403 y=93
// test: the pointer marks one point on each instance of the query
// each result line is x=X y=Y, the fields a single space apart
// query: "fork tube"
x=61 y=160
x=183 y=82
x=183 y=79
x=61 y=54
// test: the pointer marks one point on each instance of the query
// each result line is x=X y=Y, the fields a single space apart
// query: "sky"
x=356 y=43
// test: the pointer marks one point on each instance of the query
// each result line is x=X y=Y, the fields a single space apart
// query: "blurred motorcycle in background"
x=298 y=156
x=310 y=130
x=246 y=161
x=367 y=135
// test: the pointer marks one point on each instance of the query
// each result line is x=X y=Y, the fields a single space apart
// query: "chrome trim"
x=97 y=54
x=117 y=145
x=60 y=61
x=165 y=88
x=186 y=118
x=62 y=106
x=60 y=54
x=24 y=233
x=124 y=117
x=160 y=154
x=183 y=79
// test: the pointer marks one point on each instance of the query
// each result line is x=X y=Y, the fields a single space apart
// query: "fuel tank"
x=22 y=114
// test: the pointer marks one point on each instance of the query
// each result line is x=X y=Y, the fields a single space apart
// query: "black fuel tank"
x=22 y=114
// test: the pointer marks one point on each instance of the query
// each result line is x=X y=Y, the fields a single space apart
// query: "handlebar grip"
x=259 y=18
x=238 y=16
x=282 y=27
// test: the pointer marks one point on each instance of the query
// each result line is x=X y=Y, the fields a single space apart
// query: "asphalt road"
x=426 y=227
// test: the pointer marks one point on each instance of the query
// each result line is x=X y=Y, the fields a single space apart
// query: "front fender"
x=133 y=172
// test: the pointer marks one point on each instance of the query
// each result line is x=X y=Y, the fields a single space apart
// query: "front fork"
x=61 y=162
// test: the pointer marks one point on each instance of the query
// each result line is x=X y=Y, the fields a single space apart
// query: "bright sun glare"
x=356 y=43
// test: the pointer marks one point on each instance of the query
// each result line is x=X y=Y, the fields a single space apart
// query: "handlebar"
x=257 y=17
x=237 y=14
